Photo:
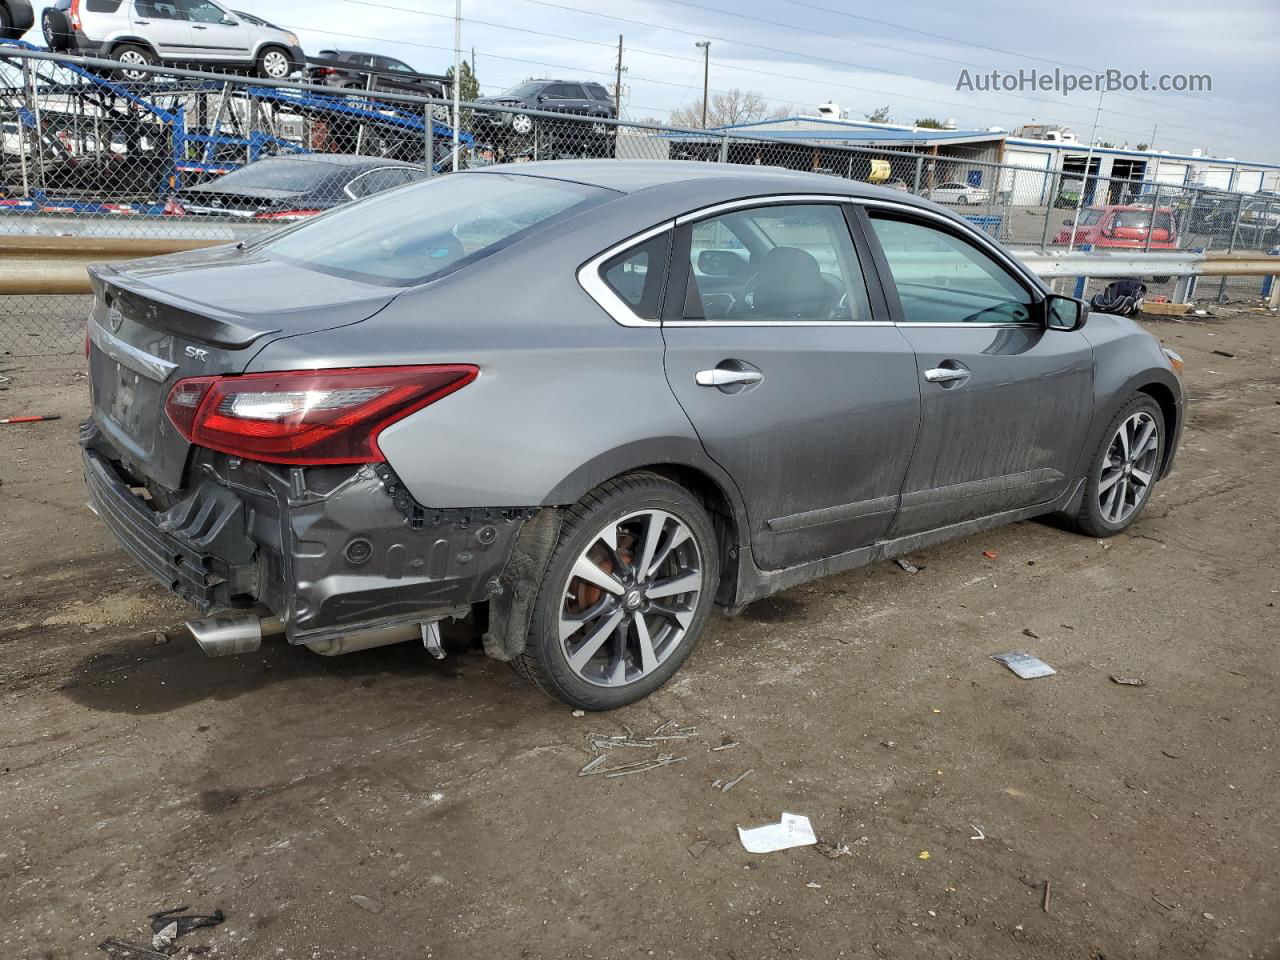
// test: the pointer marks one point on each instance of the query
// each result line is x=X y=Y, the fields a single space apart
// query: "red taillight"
x=75 y=14
x=323 y=71
x=307 y=417
x=285 y=214
x=174 y=208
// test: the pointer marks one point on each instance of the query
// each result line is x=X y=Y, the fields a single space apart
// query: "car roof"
x=344 y=160
x=632 y=176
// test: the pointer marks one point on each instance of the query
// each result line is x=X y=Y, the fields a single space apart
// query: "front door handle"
x=722 y=377
x=197 y=27
x=948 y=372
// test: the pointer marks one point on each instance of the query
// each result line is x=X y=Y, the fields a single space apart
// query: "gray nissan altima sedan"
x=587 y=402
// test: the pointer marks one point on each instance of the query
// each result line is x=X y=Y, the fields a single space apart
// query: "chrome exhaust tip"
x=227 y=633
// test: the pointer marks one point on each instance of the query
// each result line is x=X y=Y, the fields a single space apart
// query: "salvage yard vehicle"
x=293 y=186
x=956 y=192
x=138 y=33
x=1123 y=226
x=595 y=399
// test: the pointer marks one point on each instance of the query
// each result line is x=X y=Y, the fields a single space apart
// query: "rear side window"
x=637 y=275
x=157 y=10
x=101 y=6
x=428 y=229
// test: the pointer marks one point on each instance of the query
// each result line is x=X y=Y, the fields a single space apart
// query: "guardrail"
x=1083 y=265
x=40 y=266
x=34 y=265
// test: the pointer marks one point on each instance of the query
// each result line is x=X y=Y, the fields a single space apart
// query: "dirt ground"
x=139 y=775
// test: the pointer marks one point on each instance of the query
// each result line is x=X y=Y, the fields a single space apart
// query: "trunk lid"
x=203 y=313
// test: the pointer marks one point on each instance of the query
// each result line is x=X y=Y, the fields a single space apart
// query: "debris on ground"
x=1024 y=665
x=366 y=903
x=793 y=830
x=735 y=781
x=35 y=419
x=1044 y=904
x=727 y=744
x=603 y=744
x=169 y=925
x=1028 y=632
x=908 y=566
x=118 y=949
x=991 y=554
x=978 y=835
x=833 y=851
x=1224 y=353
x=160 y=638
x=1128 y=681
x=923 y=855
x=578 y=713
x=698 y=848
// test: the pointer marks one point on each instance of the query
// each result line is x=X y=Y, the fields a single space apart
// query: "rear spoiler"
x=152 y=308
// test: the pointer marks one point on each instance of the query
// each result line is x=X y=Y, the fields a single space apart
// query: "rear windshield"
x=278 y=173
x=1141 y=220
x=420 y=232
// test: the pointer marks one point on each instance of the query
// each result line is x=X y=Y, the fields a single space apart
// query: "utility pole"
x=617 y=86
x=705 y=45
x=1084 y=183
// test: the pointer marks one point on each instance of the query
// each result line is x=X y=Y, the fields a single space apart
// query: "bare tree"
x=723 y=110
x=879 y=115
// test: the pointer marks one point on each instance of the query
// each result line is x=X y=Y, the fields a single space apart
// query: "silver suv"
x=196 y=32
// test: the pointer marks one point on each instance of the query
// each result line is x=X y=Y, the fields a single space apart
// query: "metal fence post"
x=429 y=139
x=1050 y=206
x=1231 y=246
x=915 y=187
x=724 y=148
x=1151 y=226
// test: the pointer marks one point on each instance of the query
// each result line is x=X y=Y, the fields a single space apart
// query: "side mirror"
x=229 y=22
x=1064 y=313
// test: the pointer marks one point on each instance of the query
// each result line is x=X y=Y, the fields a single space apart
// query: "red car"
x=1123 y=226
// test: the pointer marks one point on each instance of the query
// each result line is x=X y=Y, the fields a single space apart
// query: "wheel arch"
x=115 y=43
x=680 y=460
x=1164 y=397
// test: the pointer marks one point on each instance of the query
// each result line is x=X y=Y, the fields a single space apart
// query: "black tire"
x=55 y=27
x=268 y=57
x=1090 y=519
x=7 y=29
x=544 y=661
x=133 y=53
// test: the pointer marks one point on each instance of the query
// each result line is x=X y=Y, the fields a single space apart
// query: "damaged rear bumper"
x=328 y=550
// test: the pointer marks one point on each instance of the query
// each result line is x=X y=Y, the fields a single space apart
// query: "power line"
x=982 y=46
x=1021 y=114
x=815 y=58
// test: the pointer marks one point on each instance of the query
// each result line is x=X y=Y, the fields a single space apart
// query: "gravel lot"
x=137 y=776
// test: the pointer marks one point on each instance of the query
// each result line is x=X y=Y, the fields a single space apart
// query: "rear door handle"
x=721 y=377
x=949 y=372
x=196 y=27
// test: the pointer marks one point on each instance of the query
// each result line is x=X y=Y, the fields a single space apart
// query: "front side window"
x=942 y=278
x=430 y=228
x=563 y=91
x=783 y=263
x=375 y=181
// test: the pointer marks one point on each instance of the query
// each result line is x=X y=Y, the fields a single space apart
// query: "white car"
x=953 y=191
x=138 y=33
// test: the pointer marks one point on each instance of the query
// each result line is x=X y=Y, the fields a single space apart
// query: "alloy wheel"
x=131 y=58
x=275 y=64
x=1129 y=468
x=630 y=598
x=522 y=124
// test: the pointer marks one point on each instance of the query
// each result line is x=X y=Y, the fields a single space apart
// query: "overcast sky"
x=811 y=52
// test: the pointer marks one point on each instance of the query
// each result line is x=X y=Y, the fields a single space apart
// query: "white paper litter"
x=1024 y=664
x=793 y=830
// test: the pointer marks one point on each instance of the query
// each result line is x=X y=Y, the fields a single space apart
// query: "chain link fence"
x=183 y=154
